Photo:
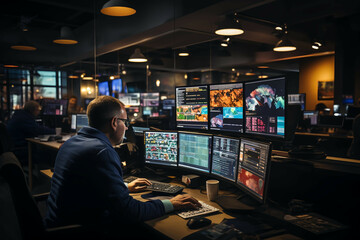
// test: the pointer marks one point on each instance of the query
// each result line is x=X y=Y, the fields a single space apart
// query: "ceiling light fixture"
x=316 y=45
x=118 y=8
x=284 y=45
x=137 y=57
x=23 y=46
x=87 y=78
x=230 y=26
x=66 y=37
x=225 y=42
x=263 y=76
x=183 y=52
x=10 y=66
x=262 y=66
x=73 y=76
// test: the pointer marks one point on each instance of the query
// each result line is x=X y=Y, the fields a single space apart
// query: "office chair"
x=20 y=217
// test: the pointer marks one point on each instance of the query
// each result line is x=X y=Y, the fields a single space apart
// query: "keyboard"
x=204 y=209
x=159 y=186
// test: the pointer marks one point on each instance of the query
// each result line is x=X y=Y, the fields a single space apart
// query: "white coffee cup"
x=58 y=131
x=212 y=189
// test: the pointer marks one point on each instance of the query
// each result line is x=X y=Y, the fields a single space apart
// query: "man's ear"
x=113 y=123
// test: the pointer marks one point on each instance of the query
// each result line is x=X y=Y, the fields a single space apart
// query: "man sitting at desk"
x=87 y=186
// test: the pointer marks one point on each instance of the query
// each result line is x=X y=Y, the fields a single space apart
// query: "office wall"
x=313 y=70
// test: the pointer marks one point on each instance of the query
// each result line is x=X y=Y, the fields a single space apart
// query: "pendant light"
x=284 y=45
x=23 y=46
x=118 y=8
x=66 y=37
x=137 y=57
x=230 y=26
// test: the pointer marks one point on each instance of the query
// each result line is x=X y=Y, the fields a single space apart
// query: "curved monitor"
x=226 y=107
x=225 y=156
x=265 y=107
x=253 y=168
x=195 y=151
x=161 y=148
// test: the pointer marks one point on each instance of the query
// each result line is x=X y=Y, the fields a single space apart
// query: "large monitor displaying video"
x=150 y=99
x=130 y=99
x=116 y=87
x=195 y=151
x=226 y=107
x=104 y=88
x=254 y=168
x=54 y=107
x=161 y=148
x=225 y=155
x=265 y=107
x=192 y=107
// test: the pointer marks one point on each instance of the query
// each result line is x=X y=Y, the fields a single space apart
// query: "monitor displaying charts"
x=161 y=148
x=226 y=107
x=225 y=155
x=253 y=168
x=195 y=151
x=192 y=107
x=265 y=107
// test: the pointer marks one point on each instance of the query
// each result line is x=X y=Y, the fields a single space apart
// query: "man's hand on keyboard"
x=138 y=185
x=184 y=202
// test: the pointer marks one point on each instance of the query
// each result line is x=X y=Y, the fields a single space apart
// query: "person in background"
x=87 y=187
x=73 y=108
x=23 y=125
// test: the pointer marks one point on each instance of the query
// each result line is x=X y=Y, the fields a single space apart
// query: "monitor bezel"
x=189 y=169
x=267 y=173
x=217 y=176
x=176 y=98
x=152 y=164
x=243 y=119
x=267 y=135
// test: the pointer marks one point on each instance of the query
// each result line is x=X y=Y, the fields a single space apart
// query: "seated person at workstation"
x=23 y=125
x=87 y=186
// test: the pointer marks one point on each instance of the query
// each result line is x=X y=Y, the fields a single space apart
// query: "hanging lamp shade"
x=137 y=56
x=23 y=45
x=118 y=8
x=229 y=27
x=284 y=45
x=66 y=37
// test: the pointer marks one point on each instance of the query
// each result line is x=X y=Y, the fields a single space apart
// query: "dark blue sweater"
x=87 y=186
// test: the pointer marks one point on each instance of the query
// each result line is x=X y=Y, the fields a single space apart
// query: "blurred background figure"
x=73 y=108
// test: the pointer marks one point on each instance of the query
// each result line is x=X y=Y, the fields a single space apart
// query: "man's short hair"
x=102 y=109
x=32 y=107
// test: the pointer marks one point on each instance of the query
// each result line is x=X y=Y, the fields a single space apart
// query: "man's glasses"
x=126 y=121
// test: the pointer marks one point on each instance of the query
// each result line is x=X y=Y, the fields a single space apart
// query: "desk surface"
x=52 y=144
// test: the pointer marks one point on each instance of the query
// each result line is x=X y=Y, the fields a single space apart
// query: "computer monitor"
x=192 y=107
x=313 y=116
x=195 y=151
x=225 y=156
x=347 y=99
x=81 y=121
x=87 y=102
x=297 y=99
x=253 y=168
x=161 y=148
x=331 y=121
x=226 y=107
x=168 y=104
x=150 y=99
x=130 y=99
x=73 y=122
x=265 y=107
x=54 y=107
x=104 y=88
x=116 y=87
x=150 y=111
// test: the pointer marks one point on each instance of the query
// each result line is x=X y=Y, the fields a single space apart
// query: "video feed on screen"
x=116 y=87
x=192 y=107
x=225 y=155
x=161 y=148
x=150 y=99
x=252 y=168
x=265 y=107
x=54 y=107
x=104 y=88
x=195 y=151
x=130 y=99
x=226 y=107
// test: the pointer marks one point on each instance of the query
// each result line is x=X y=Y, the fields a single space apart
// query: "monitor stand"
x=240 y=203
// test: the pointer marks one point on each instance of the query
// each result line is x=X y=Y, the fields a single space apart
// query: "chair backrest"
x=17 y=204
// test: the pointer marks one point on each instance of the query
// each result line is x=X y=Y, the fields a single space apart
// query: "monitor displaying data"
x=81 y=121
x=130 y=99
x=226 y=107
x=192 y=107
x=265 y=107
x=253 y=168
x=116 y=87
x=104 y=88
x=225 y=155
x=297 y=99
x=195 y=151
x=161 y=148
x=150 y=99
x=150 y=111
x=313 y=116
x=54 y=107
x=168 y=104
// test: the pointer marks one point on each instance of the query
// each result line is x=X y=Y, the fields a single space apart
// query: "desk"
x=324 y=135
x=31 y=141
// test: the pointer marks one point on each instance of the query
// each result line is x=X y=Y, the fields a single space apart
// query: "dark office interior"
x=153 y=59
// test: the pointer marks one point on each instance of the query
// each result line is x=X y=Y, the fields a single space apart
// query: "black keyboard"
x=159 y=186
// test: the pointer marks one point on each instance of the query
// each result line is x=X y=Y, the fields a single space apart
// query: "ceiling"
x=161 y=27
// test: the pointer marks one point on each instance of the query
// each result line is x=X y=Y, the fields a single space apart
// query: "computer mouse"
x=198 y=222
